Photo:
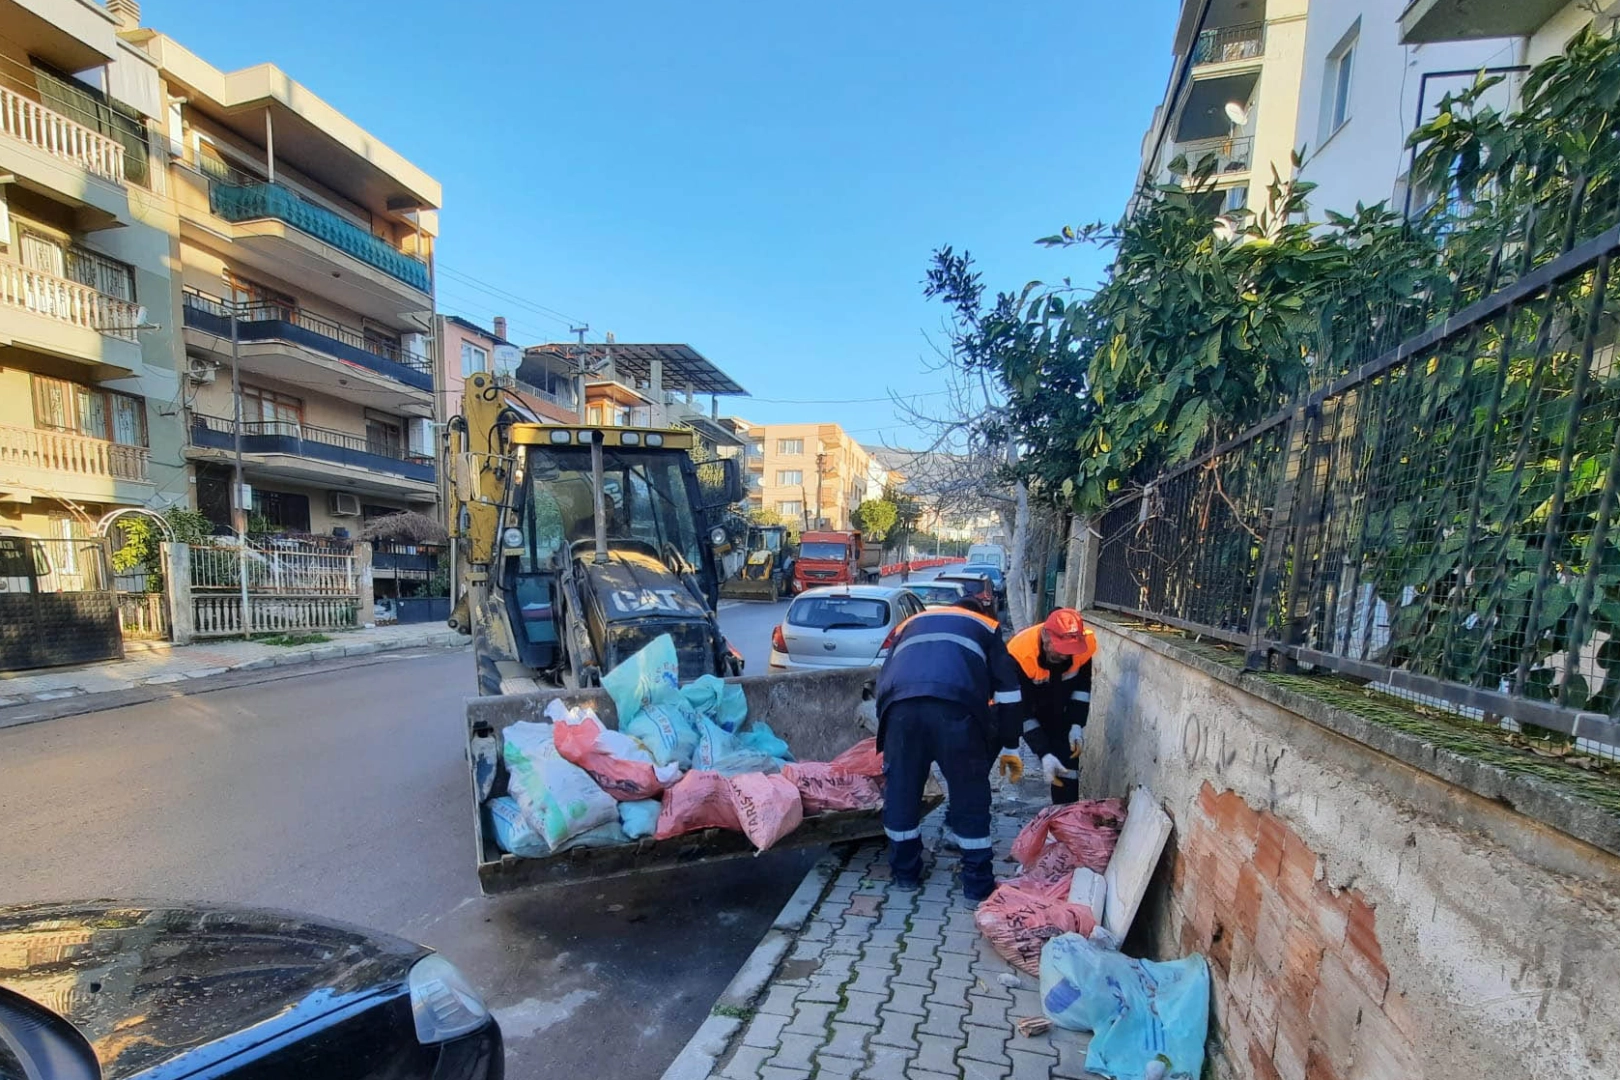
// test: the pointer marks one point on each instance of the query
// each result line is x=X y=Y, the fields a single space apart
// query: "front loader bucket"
x=749 y=589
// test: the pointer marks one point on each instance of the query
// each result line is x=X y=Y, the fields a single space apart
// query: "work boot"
x=977 y=893
x=905 y=884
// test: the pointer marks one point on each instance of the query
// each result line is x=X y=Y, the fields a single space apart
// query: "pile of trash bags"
x=683 y=758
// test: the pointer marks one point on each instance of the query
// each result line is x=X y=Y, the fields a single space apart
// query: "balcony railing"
x=50 y=131
x=1246 y=41
x=75 y=455
x=68 y=301
x=1231 y=155
x=250 y=201
x=273 y=322
x=304 y=440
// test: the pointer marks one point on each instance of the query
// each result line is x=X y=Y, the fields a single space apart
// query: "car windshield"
x=839 y=613
x=644 y=498
x=991 y=572
x=823 y=550
x=938 y=592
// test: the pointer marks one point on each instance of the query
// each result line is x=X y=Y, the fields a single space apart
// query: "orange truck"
x=834 y=558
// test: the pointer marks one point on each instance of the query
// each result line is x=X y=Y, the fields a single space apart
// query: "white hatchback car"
x=840 y=626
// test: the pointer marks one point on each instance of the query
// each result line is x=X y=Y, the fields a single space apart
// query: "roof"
x=468 y=324
x=683 y=365
x=714 y=431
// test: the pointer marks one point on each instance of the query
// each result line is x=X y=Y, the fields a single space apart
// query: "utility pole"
x=579 y=363
x=239 y=510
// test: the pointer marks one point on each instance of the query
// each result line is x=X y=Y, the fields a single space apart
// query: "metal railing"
x=76 y=455
x=248 y=314
x=1230 y=154
x=306 y=433
x=272 y=570
x=1442 y=520
x=68 y=301
x=45 y=129
x=235 y=200
x=1246 y=41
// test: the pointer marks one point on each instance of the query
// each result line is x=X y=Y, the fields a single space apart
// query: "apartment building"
x=89 y=389
x=817 y=474
x=1543 y=26
x=1232 y=97
x=304 y=250
x=465 y=348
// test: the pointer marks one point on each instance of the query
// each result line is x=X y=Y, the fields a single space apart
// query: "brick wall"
x=1301 y=989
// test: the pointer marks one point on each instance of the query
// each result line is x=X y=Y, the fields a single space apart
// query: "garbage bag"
x=1138 y=1010
x=713 y=744
x=723 y=702
x=639 y=818
x=559 y=799
x=1088 y=829
x=746 y=761
x=759 y=737
x=823 y=786
x=699 y=800
x=651 y=675
x=512 y=830
x=1022 y=915
x=606 y=834
x=620 y=764
x=1055 y=861
x=486 y=758
x=768 y=807
x=862 y=759
x=668 y=729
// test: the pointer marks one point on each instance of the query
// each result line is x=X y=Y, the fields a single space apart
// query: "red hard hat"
x=1065 y=632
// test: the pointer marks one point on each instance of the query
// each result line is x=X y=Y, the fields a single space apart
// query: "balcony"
x=48 y=314
x=1234 y=155
x=308 y=350
x=36 y=461
x=54 y=134
x=1230 y=45
x=333 y=456
x=239 y=202
x=1425 y=22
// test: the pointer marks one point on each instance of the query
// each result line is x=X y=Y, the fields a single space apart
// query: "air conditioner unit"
x=200 y=371
x=342 y=504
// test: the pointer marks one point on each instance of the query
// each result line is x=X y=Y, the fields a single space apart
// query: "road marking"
x=726 y=605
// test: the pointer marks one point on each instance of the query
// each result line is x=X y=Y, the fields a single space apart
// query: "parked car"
x=131 y=991
x=975 y=584
x=937 y=593
x=998 y=580
x=843 y=626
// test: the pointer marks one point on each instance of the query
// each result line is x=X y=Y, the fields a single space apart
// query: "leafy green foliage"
x=875 y=518
x=143 y=539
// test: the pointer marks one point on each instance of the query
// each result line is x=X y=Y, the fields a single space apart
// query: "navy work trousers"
x=919 y=732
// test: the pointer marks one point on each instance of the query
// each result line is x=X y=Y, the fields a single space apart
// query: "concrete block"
x=205 y=673
x=746 y=1063
x=697 y=1058
x=937 y=1053
x=1141 y=842
x=756 y=971
x=796 y=1050
x=764 y=1031
x=896 y=1030
x=905 y=998
x=812 y=1018
x=988 y=1044
x=848 y=1041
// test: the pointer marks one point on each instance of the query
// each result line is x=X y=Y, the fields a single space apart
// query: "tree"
x=142 y=541
x=761 y=515
x=875 y=518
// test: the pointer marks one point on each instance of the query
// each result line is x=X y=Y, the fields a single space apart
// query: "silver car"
x=840 y=626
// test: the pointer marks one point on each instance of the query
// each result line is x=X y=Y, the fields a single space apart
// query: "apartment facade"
x=89 y=388
x=815 y=474
x=304 y=250
x=465 y=348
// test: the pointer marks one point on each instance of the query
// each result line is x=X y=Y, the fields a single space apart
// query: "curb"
x=714 y=1036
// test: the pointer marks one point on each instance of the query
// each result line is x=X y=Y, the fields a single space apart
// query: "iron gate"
x=57 y=603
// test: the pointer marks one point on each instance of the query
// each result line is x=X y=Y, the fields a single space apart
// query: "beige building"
x=1232 y=98
x=1544 y=25
x=89 y=392
x=816 y=474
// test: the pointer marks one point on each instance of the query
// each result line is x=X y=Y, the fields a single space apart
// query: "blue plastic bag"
x=513 y=833
x=652 y=675
x=759 y=738
x=1138 y=1010
x=639 y=818
x=669 y=730
x=723 y=702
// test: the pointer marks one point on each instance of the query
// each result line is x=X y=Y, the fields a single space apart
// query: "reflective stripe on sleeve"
x=1009 y=697
x=898 y=835
x=977 y=843
x=955 y=639
x=1080 y=695
x=1031 y=725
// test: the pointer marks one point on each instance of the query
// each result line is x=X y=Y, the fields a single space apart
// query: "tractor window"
x=644 y=496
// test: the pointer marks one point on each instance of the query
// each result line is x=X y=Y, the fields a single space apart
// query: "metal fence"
x=1440 y=520
x=287 y=590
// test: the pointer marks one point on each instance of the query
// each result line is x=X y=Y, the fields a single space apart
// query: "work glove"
x=1011 y=766
x=1051 y=767
x=1077 y=739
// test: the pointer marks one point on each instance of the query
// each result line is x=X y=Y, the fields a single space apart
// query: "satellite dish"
x=1238 y=114
x=506 y=361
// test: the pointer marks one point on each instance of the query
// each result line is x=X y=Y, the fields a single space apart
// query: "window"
x=1337 y=81
x=60 y=405
x=789 y=477
x=839 y=613
x=383 y=437
x=790 y=446
x=109 y=277
x=282 y=413
x=473 y=359
x=790 y=509
x=282 y=509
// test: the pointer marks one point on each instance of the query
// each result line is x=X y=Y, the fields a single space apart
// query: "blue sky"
x=763 y=181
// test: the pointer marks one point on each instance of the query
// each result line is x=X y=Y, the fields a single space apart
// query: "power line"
x=845 y=401
x=484 y=286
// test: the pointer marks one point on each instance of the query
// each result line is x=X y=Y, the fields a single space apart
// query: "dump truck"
x=577 y=545
x=767 y=569
x=834 y=558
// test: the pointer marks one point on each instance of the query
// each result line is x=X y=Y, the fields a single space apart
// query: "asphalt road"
x=344 y=794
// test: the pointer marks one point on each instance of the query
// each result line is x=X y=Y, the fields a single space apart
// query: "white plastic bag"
x=639 y=818
x=557 y=797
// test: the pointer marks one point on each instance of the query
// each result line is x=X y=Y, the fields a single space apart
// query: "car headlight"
x=443 y=1003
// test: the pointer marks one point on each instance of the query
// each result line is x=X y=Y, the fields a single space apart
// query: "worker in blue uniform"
x=948 y=693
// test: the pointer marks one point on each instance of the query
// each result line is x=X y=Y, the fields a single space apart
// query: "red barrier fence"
x=919 y=564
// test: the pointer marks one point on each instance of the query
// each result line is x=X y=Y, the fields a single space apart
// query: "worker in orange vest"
x=1054 y=662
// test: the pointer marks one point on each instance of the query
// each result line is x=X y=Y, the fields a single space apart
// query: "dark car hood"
x=146 y=984
x=633 y=586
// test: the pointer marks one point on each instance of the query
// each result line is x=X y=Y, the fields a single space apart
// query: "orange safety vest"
x=1025 y=648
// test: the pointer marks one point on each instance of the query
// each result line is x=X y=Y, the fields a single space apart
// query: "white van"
x=988 y=555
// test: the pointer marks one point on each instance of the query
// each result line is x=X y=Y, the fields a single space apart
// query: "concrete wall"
x=1364 y=159
x=1364 y=918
